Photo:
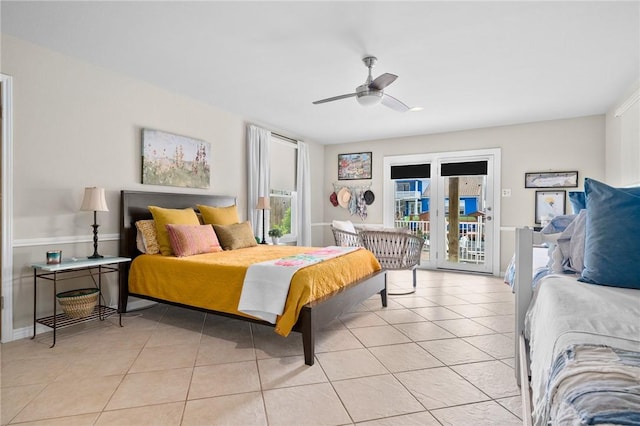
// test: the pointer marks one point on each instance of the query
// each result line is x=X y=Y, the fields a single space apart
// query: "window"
x=282 y=194
x=403 y=186
x=460 y=206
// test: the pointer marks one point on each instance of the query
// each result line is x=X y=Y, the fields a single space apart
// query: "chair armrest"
x=345 y=238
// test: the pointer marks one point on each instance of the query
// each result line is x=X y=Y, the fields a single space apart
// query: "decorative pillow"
x=571 y=244
x=578 y=201
x=140 y=243
x=558 y=223
x=163 y=217
x=612 y=249
x=146 y=239
x=219 y=215
x=344 y=225
x=187 y=240
x=235 y=236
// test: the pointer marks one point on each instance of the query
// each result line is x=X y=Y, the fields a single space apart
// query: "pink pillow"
x=187 y=240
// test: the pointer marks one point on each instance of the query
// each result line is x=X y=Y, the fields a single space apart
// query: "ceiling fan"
x=372 y=91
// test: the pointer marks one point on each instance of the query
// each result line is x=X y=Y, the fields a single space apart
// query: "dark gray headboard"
x=134 y=207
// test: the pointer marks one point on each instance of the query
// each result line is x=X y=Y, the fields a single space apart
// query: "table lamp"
x=263 y=204
x=94 y=201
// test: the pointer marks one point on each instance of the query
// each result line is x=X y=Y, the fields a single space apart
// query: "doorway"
x=450 y=200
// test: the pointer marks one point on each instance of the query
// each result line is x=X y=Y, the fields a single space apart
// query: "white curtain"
x=303 y=199
x=258 y=176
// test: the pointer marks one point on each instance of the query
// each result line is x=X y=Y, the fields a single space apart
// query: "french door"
x=450 y=200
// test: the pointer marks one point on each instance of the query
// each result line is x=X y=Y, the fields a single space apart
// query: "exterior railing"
x=471 y=237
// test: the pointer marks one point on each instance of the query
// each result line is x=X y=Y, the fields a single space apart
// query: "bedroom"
x=77 y=124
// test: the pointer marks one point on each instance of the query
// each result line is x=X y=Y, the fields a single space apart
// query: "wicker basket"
x=78 y=303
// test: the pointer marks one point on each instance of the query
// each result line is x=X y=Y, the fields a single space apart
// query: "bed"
x=305 y=318
x=577 y=346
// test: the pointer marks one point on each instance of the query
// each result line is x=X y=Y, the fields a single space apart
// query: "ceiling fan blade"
x=393 y=103
x=335 y=98
x=382 y=81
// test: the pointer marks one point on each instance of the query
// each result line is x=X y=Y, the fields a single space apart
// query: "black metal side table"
x=72 y=269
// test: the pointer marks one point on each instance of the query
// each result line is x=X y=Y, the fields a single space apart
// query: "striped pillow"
x=187 y=240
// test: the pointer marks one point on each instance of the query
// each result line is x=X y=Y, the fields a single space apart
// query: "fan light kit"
x=372 y=91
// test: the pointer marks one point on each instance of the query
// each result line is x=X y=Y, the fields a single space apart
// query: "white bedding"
x=567 y=312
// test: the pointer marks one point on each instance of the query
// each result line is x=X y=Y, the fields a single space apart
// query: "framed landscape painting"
x=354 y=166
x=551 y=180
x=174 y=160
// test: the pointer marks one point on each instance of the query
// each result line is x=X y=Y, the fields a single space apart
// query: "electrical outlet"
x=506 y=193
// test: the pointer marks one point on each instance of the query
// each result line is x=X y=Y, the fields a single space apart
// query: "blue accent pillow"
x=578 y=201
x=612 y=247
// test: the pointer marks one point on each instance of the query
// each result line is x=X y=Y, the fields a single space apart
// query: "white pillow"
x=344 y=225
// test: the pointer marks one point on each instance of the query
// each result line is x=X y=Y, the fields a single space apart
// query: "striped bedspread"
x=594 y=384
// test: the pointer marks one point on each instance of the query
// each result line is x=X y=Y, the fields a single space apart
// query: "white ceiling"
x=469 y=64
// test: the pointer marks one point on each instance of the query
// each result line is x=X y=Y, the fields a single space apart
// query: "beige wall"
x=572 y=144
x=623 y=140
x=78 y=125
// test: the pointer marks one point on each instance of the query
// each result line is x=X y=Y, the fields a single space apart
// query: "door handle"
x=489 y=218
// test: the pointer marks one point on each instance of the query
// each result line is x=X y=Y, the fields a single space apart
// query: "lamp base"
x=95 y=256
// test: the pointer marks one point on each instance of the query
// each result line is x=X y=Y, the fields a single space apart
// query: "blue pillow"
x=578 y=201
x=612 y=248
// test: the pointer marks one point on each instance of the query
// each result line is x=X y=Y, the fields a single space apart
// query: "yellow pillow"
x=235 y=236
x=219 y=215
x=163 y=217
x=148 y=237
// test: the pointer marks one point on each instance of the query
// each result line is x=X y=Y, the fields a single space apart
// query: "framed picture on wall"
x=549 y=204
x=551 y=180
x=354 y=166
x=175 y=160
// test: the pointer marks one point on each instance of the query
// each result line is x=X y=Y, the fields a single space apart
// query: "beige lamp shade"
x=263 y=203
x=94 y=200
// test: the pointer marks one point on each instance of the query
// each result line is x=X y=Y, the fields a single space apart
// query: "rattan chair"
x=345 y=238
x=395 y=251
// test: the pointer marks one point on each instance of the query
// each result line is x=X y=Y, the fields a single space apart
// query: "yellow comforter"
x=214 y=280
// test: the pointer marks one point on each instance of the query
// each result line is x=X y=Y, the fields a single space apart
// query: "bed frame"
x=313 y=316
x=526 y=239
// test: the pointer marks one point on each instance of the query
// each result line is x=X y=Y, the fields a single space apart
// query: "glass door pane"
x=467 y=209
x=411 y=210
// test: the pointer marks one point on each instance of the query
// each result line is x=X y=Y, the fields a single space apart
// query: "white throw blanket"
x=266 y=284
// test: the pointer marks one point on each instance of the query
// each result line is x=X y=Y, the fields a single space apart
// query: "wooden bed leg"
x=383 y=292
x=308 y=335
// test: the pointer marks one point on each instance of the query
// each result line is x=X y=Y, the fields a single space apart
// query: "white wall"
x=570 y=144
x=623 y=140
x=77 y=125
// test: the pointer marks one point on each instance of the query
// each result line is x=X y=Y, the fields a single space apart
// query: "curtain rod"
x=284 y=137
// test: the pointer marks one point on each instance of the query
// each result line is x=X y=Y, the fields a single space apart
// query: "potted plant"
x=275 y=234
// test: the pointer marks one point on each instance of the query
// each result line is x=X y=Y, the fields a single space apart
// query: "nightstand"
x=69 y=269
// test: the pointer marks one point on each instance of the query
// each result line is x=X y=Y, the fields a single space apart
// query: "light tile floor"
x=442 y=356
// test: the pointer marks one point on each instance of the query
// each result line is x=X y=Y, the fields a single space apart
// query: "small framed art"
x=354 y=166
x=549 y=204
x=551 y=180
